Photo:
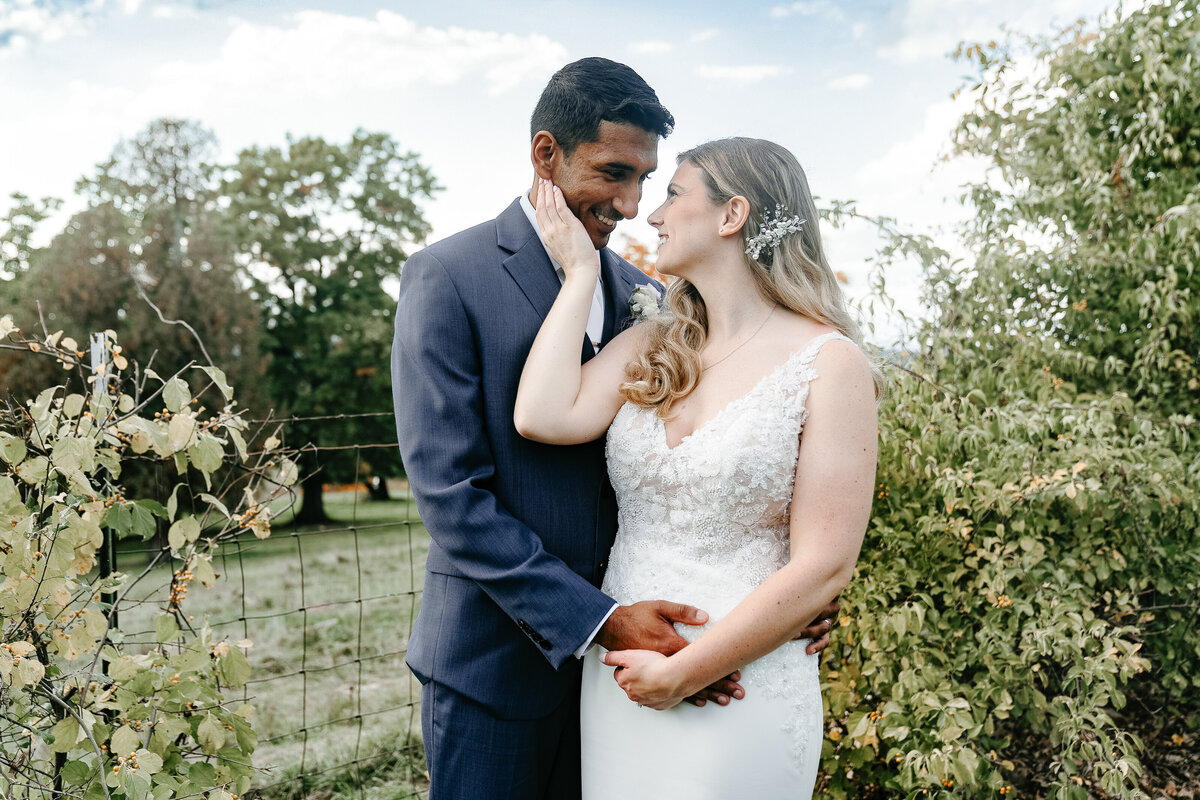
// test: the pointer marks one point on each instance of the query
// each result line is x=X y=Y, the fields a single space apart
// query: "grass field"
x=328 y=612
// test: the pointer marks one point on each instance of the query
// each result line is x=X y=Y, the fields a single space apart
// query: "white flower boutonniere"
x=644 y=303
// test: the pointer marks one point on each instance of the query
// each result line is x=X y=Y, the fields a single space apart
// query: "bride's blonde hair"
x=793 y=274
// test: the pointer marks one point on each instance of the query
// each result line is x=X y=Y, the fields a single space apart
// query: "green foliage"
x=150 y=246
x=326 y=226
x=85 y=711
x=1032 y=550
x=1089 y=230
x=1031 y=572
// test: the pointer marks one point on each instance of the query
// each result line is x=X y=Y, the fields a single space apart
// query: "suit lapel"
x=531 y=268
x=618 y=286
x=527 y=262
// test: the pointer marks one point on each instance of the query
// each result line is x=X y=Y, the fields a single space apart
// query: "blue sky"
x=860 y=91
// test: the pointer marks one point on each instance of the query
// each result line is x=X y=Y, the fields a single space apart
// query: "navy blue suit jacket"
x=520 y=531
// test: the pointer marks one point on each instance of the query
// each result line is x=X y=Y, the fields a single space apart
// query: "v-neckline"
x=662 y=424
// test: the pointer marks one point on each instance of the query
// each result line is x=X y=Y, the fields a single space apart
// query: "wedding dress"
x=704 y=523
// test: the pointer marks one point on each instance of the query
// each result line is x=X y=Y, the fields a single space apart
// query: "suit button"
x=545 y=645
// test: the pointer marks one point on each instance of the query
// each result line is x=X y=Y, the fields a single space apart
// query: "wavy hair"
x=793 y=274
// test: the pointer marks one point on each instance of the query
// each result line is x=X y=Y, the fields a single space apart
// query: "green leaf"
x=72 y=405
x=206 y=454
x=234 y=667
x=74 y=773
x=148 y=762
x=176 y=395
x=142 y=519
x=182 y=531
x=216 y=504
x=173 y=502
x=166 y=628
x=123 y=668
x=12 y=449
x=125 y=741
x=66 y=734
x=210 y=734
x=218 y=377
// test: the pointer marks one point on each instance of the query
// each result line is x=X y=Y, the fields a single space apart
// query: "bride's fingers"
x=542 y=211
x=558 y=208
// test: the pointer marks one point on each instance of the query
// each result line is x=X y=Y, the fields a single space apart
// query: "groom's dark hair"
x=589 y=91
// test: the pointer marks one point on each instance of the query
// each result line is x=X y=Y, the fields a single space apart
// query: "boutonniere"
x=645 y=303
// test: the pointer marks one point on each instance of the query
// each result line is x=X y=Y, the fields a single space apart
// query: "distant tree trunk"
x=378 y=488
x=312 y=501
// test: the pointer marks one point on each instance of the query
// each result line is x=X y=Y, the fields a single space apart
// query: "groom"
x=520 y=531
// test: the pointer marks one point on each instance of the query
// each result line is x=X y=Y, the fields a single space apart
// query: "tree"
x=325 y=227
x=150 y=247
x=1023 y=616
x=1089 y=229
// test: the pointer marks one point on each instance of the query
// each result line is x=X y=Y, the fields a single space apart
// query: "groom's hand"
x=818 y=630
x=649 y=625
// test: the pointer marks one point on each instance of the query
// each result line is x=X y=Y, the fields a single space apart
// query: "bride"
x=723 y=503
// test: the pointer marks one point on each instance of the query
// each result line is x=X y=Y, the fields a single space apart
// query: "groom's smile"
x=602 y=180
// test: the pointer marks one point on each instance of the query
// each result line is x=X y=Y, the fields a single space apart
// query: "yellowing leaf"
x=30 y=671
x=183 y=530
x=180 y=431
x=202 y=569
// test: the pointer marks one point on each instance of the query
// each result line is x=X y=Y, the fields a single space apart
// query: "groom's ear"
x=737 y=211
x=545 y=154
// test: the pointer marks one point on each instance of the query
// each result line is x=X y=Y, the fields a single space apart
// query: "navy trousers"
x=480 y=757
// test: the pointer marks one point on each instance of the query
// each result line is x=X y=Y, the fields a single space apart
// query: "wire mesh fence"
x=327 y=610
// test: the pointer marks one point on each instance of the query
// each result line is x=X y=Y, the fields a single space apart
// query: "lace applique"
x=705 y=522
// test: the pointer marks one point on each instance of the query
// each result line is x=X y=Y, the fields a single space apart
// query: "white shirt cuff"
x=589 y=641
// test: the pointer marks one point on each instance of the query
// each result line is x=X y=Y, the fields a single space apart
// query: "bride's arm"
x=559 y=401
x=831 y=504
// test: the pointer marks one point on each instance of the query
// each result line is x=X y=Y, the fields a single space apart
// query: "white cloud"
x=23 y=22
x=803 y=9
x=173 y=11
x=911 y=183
x=650 y=47
x=707 y=35
x=327 y=55
x=461 y=98
x=929 y=29
x=743 y=73
x=850 y=82
x=26 y=21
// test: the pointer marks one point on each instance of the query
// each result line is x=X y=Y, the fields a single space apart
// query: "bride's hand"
x=646 y=677
x=566 y=240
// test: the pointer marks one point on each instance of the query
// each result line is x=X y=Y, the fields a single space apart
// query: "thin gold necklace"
x=761 y=325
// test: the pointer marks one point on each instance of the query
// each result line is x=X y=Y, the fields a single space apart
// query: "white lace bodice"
x=705 y=522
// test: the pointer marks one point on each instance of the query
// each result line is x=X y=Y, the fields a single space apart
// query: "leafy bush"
x=87 y=712
x=1033 y=562
x=1032 y=550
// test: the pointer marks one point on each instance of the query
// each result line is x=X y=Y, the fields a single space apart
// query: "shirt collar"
x=531 y=214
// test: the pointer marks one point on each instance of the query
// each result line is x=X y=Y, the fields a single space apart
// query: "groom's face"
x=602 y=180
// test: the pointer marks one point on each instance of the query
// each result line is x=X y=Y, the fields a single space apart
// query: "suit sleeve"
x=438 y=396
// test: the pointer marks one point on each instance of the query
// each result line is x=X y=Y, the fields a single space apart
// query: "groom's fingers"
x=817 y=645
x=678 y=612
